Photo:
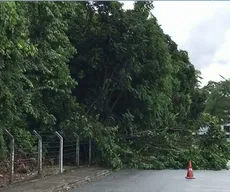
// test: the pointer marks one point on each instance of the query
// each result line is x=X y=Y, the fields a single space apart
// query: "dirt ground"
x=59 y=182
x=22 y=176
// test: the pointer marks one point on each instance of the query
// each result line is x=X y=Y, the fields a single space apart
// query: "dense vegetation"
x=109 y=74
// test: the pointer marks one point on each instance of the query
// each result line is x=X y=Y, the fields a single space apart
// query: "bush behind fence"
x=51 y=148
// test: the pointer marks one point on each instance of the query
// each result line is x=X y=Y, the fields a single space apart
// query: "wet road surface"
x=160 y=181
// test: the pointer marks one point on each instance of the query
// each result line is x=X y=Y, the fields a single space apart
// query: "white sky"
x=202 y=28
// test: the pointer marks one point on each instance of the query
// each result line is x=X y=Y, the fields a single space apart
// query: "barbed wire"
x=70 y=154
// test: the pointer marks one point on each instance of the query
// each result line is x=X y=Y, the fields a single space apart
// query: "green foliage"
x=107 y=74
x=215 y=148
x=218 y=94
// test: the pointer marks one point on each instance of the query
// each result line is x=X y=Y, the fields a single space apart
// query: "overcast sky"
x=200 y=27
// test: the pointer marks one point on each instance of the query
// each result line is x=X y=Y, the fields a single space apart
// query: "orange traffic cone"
x=190 y=171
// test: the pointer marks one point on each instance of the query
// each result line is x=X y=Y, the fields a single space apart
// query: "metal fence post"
x=60 y=152
x=90 y=151
x=39 y=152
x=11 y=156
x=77 y=149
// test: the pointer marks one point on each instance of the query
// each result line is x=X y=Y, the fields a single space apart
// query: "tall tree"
x=218 y=94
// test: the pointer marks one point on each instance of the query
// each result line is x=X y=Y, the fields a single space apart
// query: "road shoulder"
x=60 y=182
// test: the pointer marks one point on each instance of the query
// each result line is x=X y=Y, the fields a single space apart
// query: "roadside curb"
x=70 y=185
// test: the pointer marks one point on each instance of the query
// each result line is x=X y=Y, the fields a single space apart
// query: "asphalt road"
x=160 y=181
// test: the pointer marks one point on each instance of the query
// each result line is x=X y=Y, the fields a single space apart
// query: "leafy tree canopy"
x=106 y=73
